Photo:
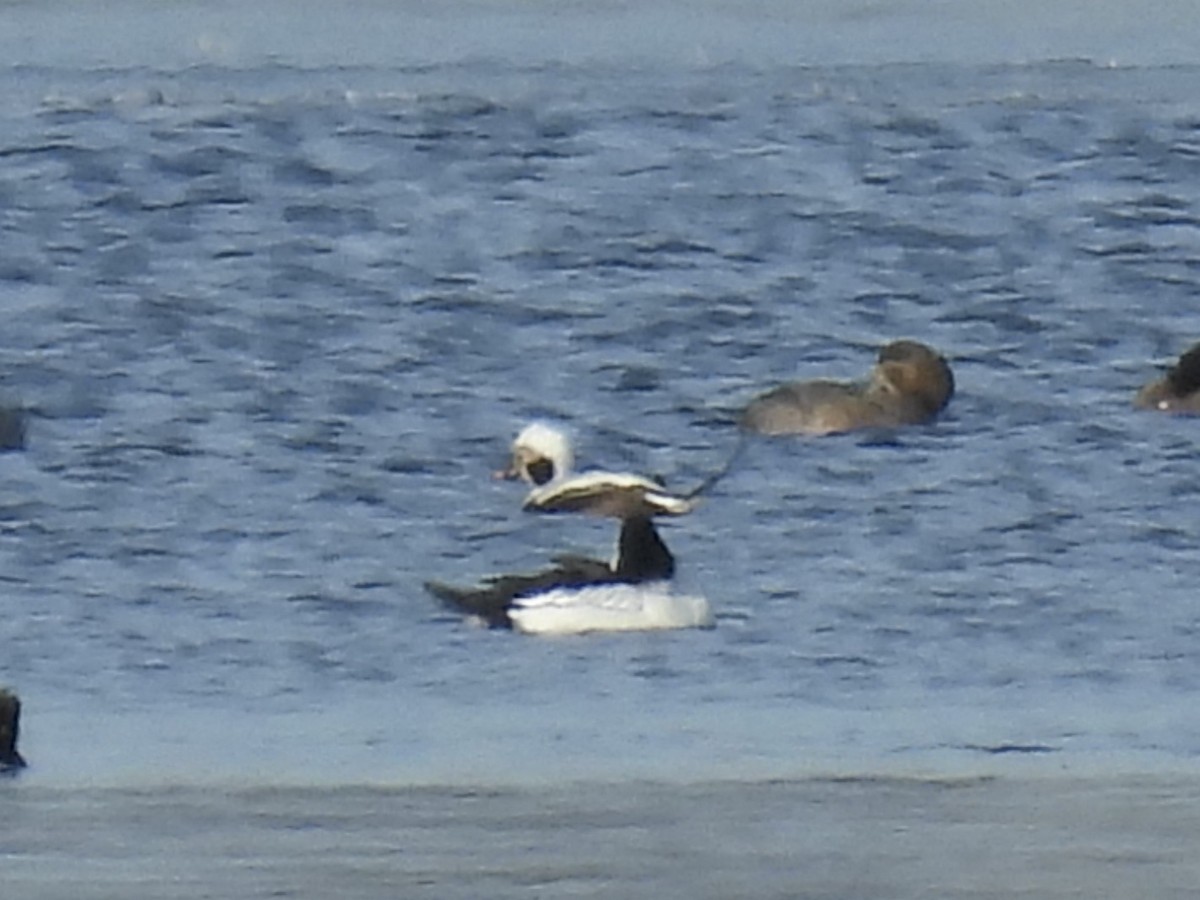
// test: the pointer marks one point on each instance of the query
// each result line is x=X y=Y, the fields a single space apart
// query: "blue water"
x=278 y=305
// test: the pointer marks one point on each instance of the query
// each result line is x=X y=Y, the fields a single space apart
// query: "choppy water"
x=278 y=317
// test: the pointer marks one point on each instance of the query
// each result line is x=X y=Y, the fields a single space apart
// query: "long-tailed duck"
x=580 y=594
x=542 y=457
x=1176 y=392
x=909 y=385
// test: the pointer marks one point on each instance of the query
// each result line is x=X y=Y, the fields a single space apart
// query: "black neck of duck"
x=641 y=553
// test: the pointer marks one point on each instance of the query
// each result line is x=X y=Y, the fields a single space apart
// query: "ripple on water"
x=274 y=340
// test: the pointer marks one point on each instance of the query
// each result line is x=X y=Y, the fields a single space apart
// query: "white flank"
x=610 y=607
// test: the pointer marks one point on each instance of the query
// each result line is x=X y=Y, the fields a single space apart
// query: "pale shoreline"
x=1099 y=836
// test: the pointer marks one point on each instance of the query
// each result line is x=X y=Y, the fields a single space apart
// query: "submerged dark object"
x=12 y=428
x=10 y=723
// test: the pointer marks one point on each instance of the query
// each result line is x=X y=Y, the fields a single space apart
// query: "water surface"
x=277 y=304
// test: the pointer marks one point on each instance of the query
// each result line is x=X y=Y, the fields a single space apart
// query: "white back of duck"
x=617 y=495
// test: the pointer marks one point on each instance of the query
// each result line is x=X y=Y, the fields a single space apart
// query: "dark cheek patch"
x=540 y=471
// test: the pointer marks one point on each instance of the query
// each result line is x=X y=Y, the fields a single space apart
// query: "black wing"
x=492 y=600
x=641 y=556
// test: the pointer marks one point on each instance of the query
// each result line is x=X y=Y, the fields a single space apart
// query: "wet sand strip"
x=1099 y=837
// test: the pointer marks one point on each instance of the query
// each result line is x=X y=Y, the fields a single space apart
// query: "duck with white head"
x=580 y=594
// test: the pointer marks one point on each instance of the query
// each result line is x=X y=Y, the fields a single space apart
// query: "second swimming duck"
x=1176 y=392
x=910 y=385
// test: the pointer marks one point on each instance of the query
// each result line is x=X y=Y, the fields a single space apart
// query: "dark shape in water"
x=1176 y=392
x=1002 y=749
x=10 y=722
x=12 y=428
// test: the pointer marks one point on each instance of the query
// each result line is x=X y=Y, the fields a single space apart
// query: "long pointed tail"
x=490 y=604
x=707 y=484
